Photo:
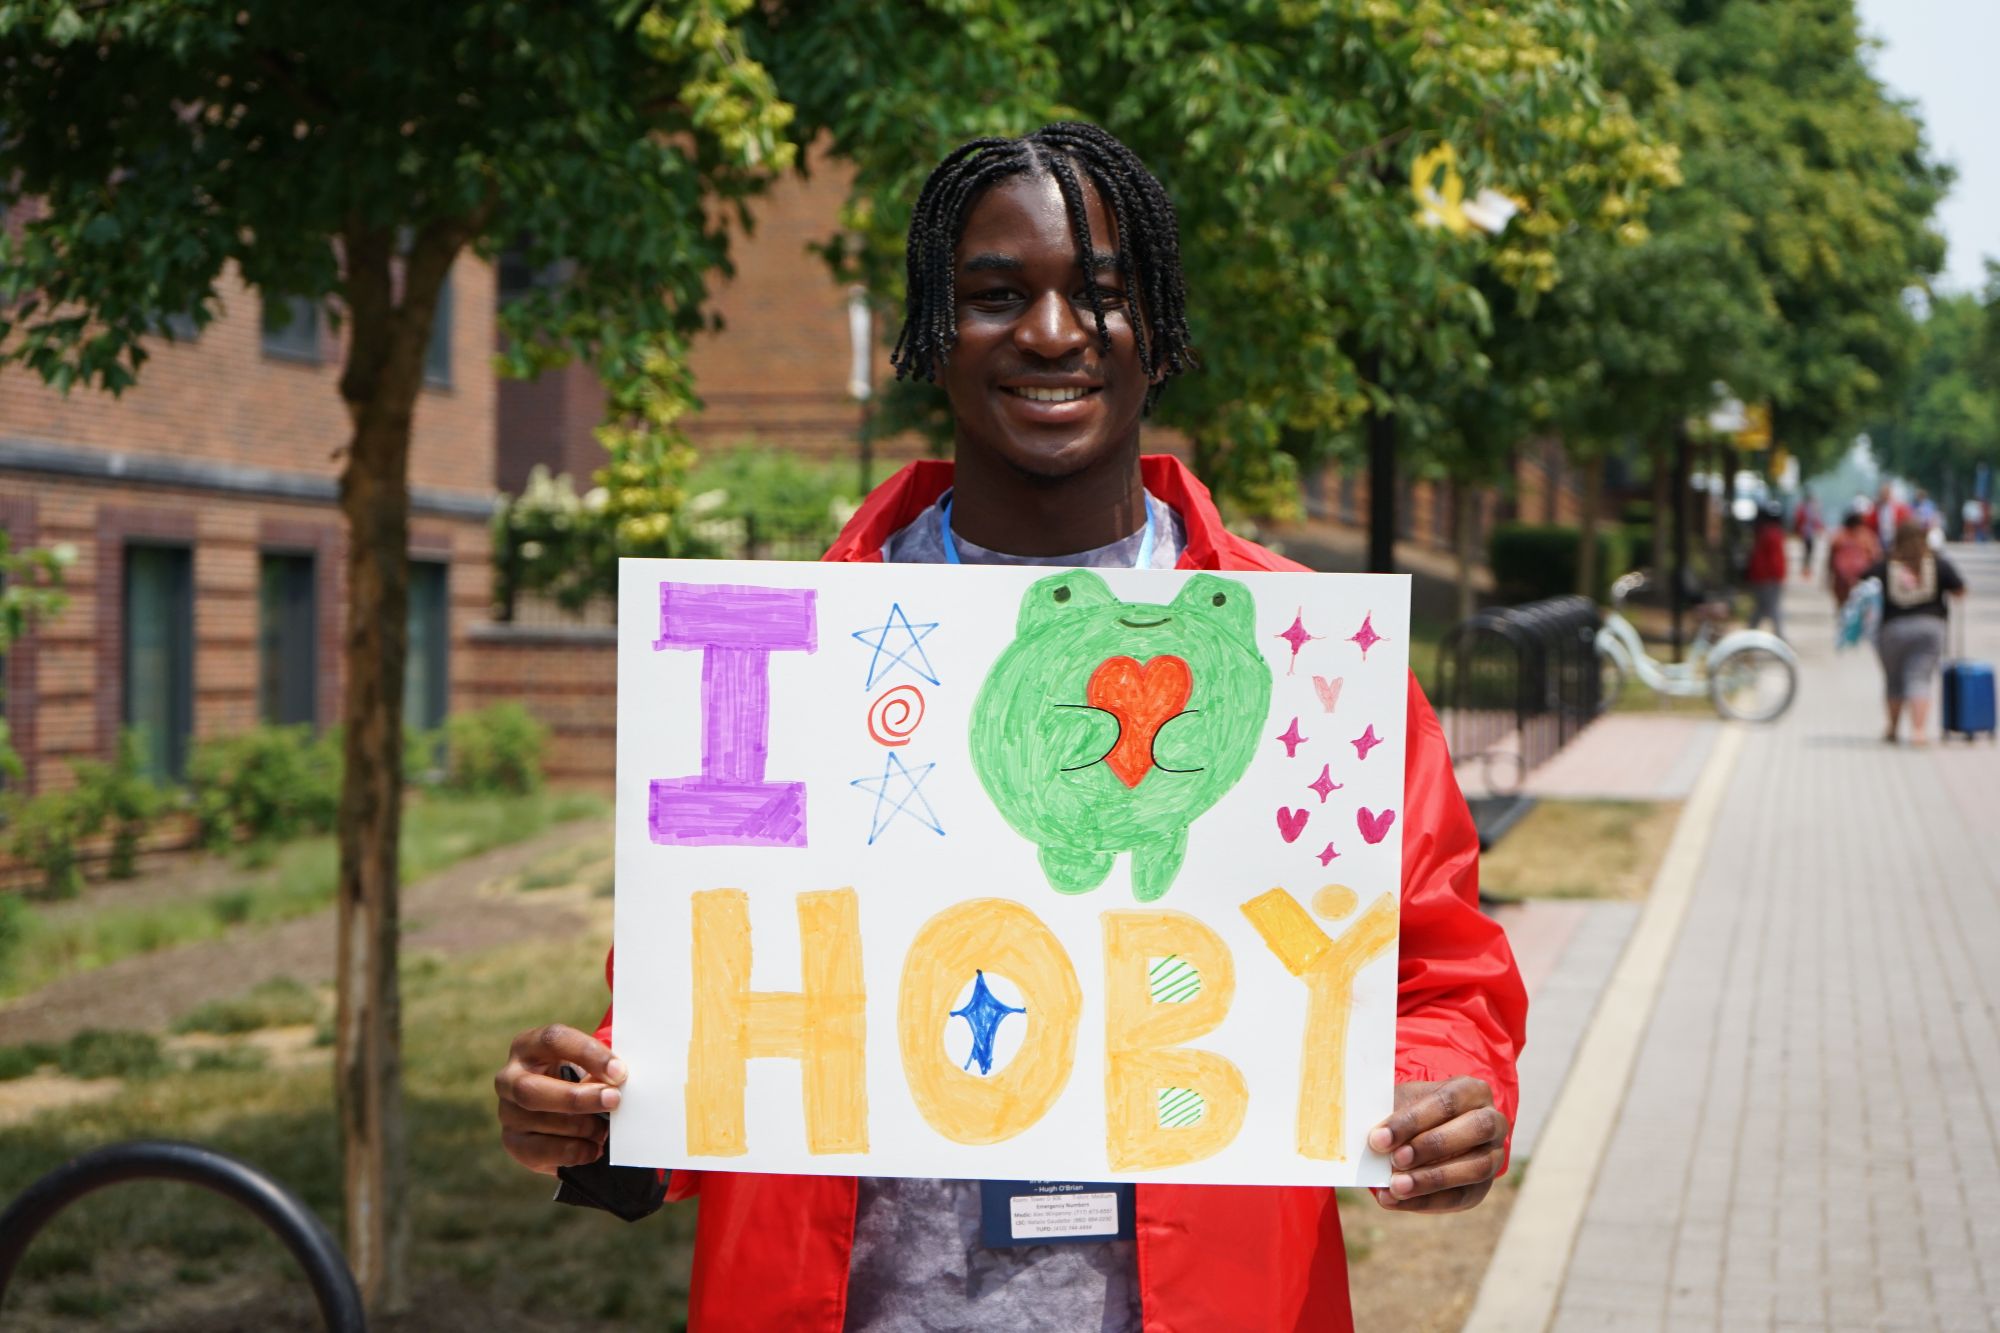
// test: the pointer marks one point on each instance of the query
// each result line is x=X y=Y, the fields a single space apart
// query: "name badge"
x=1053 y=1212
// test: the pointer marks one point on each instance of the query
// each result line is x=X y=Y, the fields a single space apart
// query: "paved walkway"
x=1811 y=1135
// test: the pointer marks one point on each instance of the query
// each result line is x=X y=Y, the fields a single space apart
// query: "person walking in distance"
x=1850 y=553
x=1766 y=571
x=1915 y=582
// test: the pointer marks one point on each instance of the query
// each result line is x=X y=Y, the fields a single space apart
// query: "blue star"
x=982 y=1013
x=877 y=637
x=893 y=770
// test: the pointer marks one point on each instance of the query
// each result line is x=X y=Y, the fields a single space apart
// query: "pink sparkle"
x=1366 y=635
x=1328 y=856
x=1324 y=784
x=1365 y=742
x=1290 y=736
x=1297 y=637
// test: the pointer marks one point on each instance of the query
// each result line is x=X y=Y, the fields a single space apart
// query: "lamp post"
x=861 y=373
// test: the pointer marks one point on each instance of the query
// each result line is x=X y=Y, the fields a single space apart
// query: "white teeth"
x=1051 y=395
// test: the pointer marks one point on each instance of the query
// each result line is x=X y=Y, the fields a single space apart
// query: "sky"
x=1941 y=55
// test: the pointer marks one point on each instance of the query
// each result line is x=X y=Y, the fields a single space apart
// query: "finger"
x=1482 y=1127
x=539 y=1092
x=1472 y=1169
x=519 y=1119
x=547 y=1152
x=1445 y=1102
x=1450 y=1201
x=557 y=1044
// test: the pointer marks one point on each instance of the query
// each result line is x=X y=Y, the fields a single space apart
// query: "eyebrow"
x=991 y=262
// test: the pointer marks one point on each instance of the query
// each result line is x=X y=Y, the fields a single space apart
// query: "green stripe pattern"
x=1180 y=1107
x=1174 y=980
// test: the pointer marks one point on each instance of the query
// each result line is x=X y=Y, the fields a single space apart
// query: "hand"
x=546 y=1122
x=1446 y=1142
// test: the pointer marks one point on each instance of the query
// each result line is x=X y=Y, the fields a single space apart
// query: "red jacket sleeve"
x=1460 y=1004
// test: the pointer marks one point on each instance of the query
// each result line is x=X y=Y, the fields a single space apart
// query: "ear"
x=1049 y=600
x=1224 y=602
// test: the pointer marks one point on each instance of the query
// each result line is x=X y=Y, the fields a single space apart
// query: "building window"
x=159 y=654
x=437 y=356
x=425 y=695
x=287 y=640
x=291 y=328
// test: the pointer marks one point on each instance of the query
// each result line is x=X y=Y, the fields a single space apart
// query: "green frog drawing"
x=1111 y=726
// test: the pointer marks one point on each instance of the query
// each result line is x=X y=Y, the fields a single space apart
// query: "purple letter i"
x=737 y=629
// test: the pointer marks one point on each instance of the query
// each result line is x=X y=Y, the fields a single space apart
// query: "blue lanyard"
x=1145 y=560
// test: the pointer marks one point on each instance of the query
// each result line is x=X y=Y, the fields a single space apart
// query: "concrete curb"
x=1525 y=1277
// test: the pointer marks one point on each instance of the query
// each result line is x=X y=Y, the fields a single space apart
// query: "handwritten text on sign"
x=1008 y=873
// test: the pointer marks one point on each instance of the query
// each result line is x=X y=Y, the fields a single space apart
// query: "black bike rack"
x=1515 y=685
x=271 y=1203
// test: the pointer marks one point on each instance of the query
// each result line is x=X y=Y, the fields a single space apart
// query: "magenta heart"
x=1291 y=823
x=1374 y=827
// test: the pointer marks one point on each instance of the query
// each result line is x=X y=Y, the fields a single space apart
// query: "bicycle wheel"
x=1752 y=685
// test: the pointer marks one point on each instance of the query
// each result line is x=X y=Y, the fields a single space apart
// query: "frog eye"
x=1219 y=599
x=1061 y=594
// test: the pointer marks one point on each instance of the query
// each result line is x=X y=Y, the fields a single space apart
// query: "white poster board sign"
x=1008 y=873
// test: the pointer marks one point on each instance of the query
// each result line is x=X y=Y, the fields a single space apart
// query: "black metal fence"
x=1515 y=684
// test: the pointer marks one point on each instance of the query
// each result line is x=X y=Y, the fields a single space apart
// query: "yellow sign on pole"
x=1756 y=432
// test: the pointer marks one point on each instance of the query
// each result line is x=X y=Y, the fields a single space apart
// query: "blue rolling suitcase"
x=1968 y=694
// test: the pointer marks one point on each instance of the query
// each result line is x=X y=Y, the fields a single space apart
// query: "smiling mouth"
x=1068 y=394
x=1143 y=624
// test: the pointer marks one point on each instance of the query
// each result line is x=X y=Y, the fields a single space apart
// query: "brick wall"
x=70 y=690
x=220 y=400
x=568 y=678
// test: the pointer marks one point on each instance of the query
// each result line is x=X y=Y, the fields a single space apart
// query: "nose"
x=1052 y=327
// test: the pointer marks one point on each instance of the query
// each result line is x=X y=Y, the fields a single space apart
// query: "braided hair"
x=1148 y=243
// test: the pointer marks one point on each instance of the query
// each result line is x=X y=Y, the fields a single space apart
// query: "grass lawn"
x=38 y=946
x=489 y=1251
x=1581 y=849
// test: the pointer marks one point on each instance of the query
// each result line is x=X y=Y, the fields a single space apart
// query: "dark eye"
x=1061 y=594
x=1219 y=599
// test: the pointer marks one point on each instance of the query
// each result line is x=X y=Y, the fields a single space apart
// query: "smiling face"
x=1029 y=382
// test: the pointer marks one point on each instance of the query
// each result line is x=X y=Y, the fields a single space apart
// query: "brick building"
x=208 y=588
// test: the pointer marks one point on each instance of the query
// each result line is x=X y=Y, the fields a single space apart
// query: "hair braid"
x=1148 y=245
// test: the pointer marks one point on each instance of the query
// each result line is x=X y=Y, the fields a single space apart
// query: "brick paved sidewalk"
x=1811 y=1136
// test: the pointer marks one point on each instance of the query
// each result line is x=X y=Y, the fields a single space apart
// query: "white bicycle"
x=1748 y=675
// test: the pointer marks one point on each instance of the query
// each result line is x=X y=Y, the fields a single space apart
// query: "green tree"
x=30 y=590
x=1947 y=419
x=350 y=154
x=1286 y=132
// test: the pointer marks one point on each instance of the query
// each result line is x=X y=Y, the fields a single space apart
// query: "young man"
x=1045 y=296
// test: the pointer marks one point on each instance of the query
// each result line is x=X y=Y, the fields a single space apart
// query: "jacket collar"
x=897 y=502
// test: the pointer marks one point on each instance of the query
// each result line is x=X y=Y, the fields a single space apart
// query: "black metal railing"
x=272 y=1204
x=1516 y=684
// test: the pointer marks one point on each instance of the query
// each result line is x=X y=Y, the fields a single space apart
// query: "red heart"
x=1374 y=827
x=1143 y=699
x=1291 y=823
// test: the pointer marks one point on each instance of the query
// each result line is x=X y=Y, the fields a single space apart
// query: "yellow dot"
x=1335 y=901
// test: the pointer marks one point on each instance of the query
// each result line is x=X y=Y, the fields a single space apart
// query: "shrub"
x=1532 y=561
x=120 y=796
x=17 y=924
x=45 y=831
x=497 y=749
x=270 y=783
x=280 y=1002
x=21 y=1061
x=96 y=1053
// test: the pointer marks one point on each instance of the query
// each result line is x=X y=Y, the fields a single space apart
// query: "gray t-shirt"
x=919 y=1264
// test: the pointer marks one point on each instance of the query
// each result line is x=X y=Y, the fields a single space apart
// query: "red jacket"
x=1767 y=555
x=771 y=1252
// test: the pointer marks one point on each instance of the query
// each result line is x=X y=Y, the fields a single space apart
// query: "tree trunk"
x=1464 y=512
x=1586 y=528
x=379 y=384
